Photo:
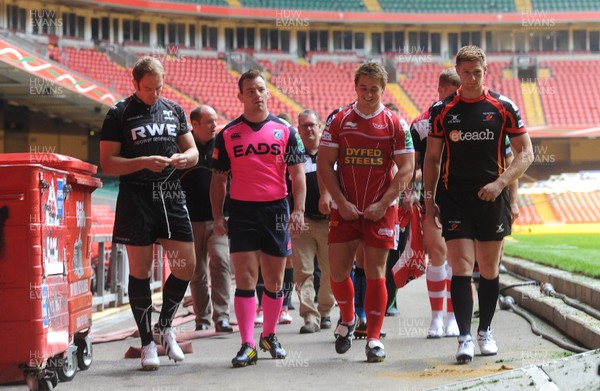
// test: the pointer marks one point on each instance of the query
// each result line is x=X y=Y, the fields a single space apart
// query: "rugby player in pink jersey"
x=256 y=149
x=365 y=140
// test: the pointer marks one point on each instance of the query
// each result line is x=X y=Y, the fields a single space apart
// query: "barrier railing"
x=110 y=285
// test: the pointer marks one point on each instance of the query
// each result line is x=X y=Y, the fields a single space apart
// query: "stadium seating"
x=448 y=6
x=98 y=66
x=528 y=214
x=324 y=5
x=564 y=5
x=570 y=97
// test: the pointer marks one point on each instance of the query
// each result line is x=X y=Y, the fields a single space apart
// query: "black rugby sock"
x=488 y=297
x=173 y=293
x=140 y=301
x=462 y=301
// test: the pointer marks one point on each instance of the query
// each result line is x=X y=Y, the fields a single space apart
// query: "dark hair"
x=147 y=65
x=249 y=75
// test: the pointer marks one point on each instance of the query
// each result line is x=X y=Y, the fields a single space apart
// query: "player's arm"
x=431 y=173
x=522 y=160
x=512 y=189
x=218 y=191
x=298 y=178
x=326 y=160
x=189 y=155
x=114 y=164
x=324 y=197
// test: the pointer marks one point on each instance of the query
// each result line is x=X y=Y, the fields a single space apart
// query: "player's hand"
x=325 y=202
x=375 y=212
x=514 y=211
x=489 y=192
x=179 y=161
x=432 y=214
x=348 y=211
x=220 y=226
x=296 y=224
x=156 y=163
x=409 y=201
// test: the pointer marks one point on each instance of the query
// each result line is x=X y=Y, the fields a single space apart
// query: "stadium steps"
x=404 y=100
x=523 y=5
x=543 y=73
x=373 y=5
x=543 y=207
x=533 y=104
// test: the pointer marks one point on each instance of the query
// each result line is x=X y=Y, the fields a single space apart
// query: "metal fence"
x=110 y=282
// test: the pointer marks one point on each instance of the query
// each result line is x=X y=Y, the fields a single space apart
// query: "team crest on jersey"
x=278 y=134
x=168 y=114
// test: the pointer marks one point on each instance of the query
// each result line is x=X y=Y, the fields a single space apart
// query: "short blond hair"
x=471 y=53
x=371 y=69
x=449 y=77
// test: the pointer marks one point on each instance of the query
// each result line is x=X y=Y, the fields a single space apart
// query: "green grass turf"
x=578 y=253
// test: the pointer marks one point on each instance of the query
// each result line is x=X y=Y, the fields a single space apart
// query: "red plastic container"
x=45 y=266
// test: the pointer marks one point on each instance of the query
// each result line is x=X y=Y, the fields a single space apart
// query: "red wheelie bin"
x=45 y=271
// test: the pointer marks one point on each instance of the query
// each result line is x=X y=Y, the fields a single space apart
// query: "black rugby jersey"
x=145 y=130
x=474 y=132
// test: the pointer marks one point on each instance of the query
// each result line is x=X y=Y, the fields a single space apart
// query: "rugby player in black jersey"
x=145 y=139
x=470 y=127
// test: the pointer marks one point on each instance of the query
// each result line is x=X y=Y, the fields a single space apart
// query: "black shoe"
x=291 y=306
x=361 y=330
x=374 y=351
x=223 y=326
x=246 y=356
x=272 y=345
x=325 y=323
x=345 y=334
x=202 y=327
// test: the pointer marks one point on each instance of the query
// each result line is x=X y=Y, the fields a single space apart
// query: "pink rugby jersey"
x=257 y=155
x=366 y=147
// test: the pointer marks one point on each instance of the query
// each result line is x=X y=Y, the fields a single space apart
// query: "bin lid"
x=53 y=160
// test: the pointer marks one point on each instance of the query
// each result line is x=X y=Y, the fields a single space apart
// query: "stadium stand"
x=564 y=5
x=448 y=6
x=571 y=198
x=323 y=5
x=571 y=95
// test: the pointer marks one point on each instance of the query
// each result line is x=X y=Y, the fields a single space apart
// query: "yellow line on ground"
x=557 y=229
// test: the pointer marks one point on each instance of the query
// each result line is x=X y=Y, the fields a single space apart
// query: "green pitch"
x=578 y=253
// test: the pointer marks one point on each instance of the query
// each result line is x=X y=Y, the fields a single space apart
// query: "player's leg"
x=140 y=301
x=182 y=262
x=273 y=268
x=461 y=256
x=245 y=266
x=488 y=255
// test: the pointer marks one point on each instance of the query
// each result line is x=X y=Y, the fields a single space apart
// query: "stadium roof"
x=42 y=86
x=387 y=17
